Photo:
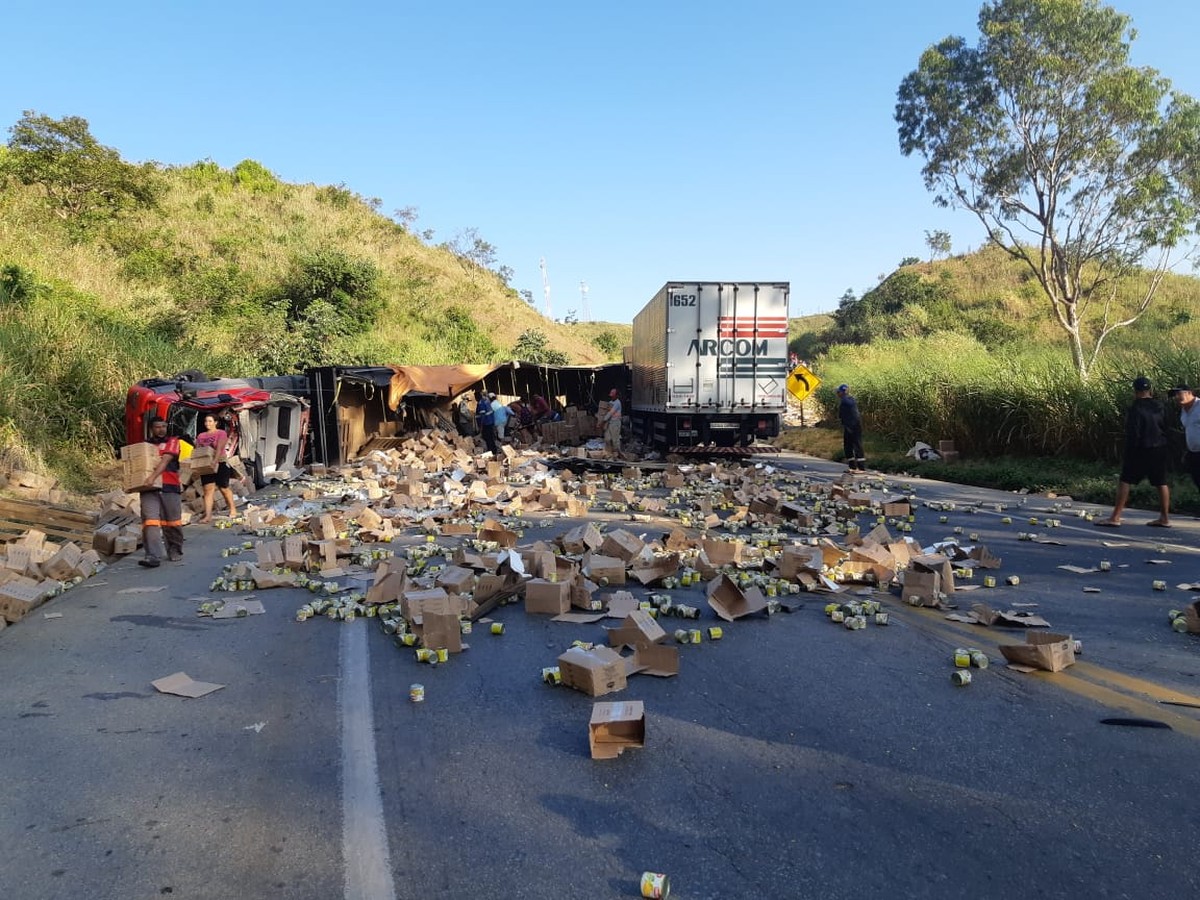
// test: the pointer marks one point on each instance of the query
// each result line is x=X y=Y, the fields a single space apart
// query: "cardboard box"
x=622 y=545
x=924 y=584
x=138 y=461
x=203 y=461
x=595 y=672
x=639 y=629
x=660 y=660
x=614 y=727
x=544 y=597
x=939 y=563
x=730 y=602
x=1191 y=615
x=125 y=544
x=605 y=570
x=1042 y=650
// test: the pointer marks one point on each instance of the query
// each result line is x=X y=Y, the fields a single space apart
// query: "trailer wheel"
x=191 y=375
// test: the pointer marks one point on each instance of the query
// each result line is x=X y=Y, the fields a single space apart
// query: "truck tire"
x=256 y=473
x=191 y=375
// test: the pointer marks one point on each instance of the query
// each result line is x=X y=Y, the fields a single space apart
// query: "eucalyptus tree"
x=1078 y=164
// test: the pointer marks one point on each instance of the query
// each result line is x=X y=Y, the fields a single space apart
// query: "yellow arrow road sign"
x=801 y=383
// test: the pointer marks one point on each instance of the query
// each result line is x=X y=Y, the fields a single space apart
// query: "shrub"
x=533 y=346
x=255 y=177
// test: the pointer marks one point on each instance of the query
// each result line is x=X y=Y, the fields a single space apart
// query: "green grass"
x=1084 y=480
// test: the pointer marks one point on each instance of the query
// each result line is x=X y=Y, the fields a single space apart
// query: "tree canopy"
x=83 y=180
x=1081 y=166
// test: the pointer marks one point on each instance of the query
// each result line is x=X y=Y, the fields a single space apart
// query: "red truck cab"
x=266 y=418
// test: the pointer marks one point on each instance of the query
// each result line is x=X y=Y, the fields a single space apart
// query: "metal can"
x=1012 y=580
x=979 y=659
x=497 y=628
x=695 y=636
x=715 y=633
x=465 y=626
x=962 y=658
x=655 y=884
x=1160 y=585
x=1180 y=625
x=960 y=677
x=552 y=675
x=838 y=616
x=424 y=654
x=443 y=654
x=416 y=693
x=681 y=636
x=881 y=618
x=1105 y=565
x=1079 y=648
x=408 y=639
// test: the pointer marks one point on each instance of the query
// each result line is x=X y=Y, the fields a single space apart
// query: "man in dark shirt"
x=851 y=429
x=1145 y=455
x=162 y=510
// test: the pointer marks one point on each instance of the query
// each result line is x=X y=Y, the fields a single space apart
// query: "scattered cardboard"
x=183 y=685
x=1047 y=651
x=615 y=727
x=595 y=672
x=730 y=602
x=233 y=609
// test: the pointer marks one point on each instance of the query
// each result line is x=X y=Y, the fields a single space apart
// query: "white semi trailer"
x=710 y=364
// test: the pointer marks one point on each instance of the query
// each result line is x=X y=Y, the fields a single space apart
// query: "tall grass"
x=1024 y=401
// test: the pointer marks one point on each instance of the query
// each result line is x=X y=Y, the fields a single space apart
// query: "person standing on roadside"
x=162 y=509
x=218 y=439
x=852 y=446
x=1145 y=455
x=486 y=420
x=610 y=419
x=1189 y=418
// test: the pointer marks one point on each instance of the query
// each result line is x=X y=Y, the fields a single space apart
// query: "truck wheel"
x=256 y=473
x=191 y=375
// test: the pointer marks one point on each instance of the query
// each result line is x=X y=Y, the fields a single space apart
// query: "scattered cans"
x=989 y=581
x=497 y=628
x=1160 y=585
x=962 y=658
x=715 y=633
x=960 y=677
x=416 y=693
x=552 y=675
x=1013 y=580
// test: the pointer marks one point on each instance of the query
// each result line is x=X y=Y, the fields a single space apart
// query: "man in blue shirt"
x=485 y=419
x=500 y=415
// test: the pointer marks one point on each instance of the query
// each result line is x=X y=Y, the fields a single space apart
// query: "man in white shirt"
x=1189 y=418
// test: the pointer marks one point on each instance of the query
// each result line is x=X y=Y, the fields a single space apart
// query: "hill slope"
x=235 y=273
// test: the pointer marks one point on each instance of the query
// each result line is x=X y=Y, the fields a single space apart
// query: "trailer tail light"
x=762 y=424
x=685 y=424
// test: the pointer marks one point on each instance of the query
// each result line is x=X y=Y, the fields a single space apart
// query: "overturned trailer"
x=356 y=409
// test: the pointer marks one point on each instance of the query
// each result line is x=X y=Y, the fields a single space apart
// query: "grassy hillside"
x=235 y=273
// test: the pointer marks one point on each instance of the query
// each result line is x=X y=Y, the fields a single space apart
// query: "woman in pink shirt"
x=218 y=439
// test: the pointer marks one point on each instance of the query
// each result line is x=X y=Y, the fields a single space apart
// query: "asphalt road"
x=793 y=758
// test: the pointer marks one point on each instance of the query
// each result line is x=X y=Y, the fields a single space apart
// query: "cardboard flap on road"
x=615 y=727
x=1043 y=650
x=730 y=602
x=183 y=685
x=621 y=604
x=723 y=553
x=984 y=558
x=659 y=660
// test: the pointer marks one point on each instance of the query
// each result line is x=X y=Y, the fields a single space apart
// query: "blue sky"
x=626 y=143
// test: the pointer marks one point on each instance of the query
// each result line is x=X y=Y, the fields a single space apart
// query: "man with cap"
x=610 y=420
x=1189 y=418
x=486 y=420
x=1145 y=455
x=851 y=429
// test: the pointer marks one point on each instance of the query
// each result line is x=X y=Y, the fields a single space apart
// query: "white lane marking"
x=364 y=837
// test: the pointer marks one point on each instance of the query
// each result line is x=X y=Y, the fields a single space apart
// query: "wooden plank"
x=58 y=522
x=23 y=508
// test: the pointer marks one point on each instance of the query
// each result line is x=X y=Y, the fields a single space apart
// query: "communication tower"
x=549 y=311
